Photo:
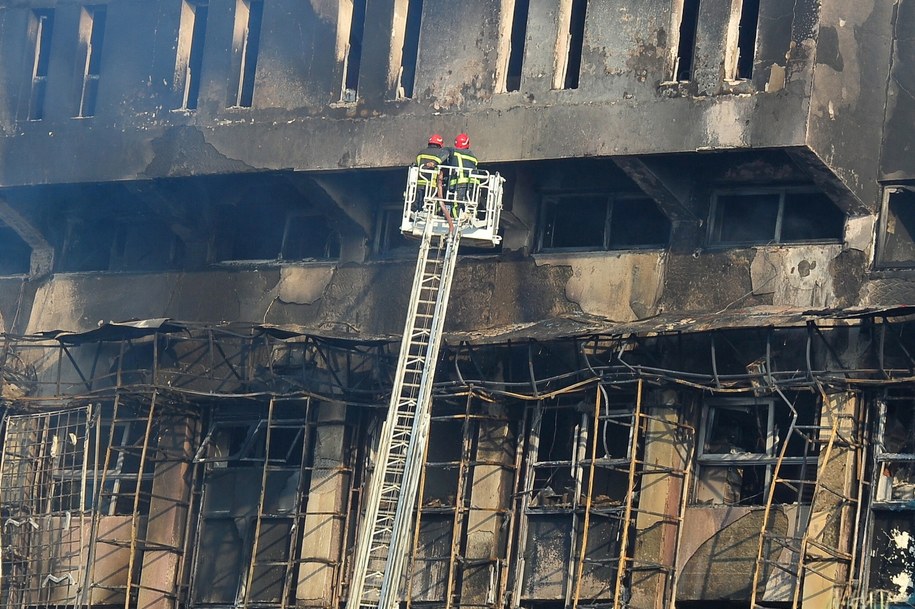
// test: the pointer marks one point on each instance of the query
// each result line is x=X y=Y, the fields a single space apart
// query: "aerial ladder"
x=442 y=221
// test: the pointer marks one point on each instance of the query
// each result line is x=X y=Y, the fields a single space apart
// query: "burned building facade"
x=684 y=379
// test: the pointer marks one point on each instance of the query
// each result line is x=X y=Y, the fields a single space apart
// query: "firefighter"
x=464 y=164
x=428 y=161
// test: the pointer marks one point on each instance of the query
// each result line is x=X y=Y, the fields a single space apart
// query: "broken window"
x=248 y=17
x=15 y=254
x=753 y=217
x=746 y=38
x=570 y=44
x=43 y=26
x=686 y=44
x=251 y=511
x=895 y=449
x=92 y=29
x=191 y=38
x=559 y=497
x=601 y=222
x=309 y=237
x=410 y=53
x=353 y=57
x=389 y=241
x=516 y=45
x=59 y=469
x=739 y=444
x=897 y=234
x=270 y=231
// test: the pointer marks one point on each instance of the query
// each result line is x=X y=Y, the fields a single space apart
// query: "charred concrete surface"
x=683 y=380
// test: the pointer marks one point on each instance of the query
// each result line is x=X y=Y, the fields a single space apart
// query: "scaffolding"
x=99 y=426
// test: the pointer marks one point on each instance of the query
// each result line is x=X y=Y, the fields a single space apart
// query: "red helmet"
x=462 y=141
x=436 y=140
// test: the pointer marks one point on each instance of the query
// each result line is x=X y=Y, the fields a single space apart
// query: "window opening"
x=561 y=439
x=517 y=41
x=15 y=254
x=390 y=242
x=739 y=443
x=576 y=43
x=601 y=222
x=774 y=216
x=309 y=237
x=895 y=449
x=897 y=235
x=746 y=38
x=44 y=26
x=252 y=513
x=190 y=51
x=686 y=47
x=891 y=547
x=94 y=17
x=410 y=54
x=354 y=52
x=249 y=52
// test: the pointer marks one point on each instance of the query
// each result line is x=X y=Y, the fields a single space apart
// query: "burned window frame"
x=597 y=570
x=887 y=220
x=888 y=461
x=683 y=53
x=256 y=570
x=716 y=223
x=558 y=201
x=734 y=462
x=389 y=241
x=743 y=40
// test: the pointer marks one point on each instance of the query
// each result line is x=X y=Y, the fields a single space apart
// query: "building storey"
x=684 y=378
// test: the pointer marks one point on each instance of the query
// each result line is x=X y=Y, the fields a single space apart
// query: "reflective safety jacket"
x=430 y=158
x=465 y=163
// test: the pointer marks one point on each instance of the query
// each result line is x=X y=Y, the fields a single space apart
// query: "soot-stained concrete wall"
x=621 y=105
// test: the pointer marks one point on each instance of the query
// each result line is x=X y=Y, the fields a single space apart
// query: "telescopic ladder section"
x=385 y=527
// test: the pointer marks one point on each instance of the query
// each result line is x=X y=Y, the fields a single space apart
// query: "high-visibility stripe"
x=463 y=173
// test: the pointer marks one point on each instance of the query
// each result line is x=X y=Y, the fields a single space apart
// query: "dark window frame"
x=713 y=236
x=880 y=261
x=612 y=199
x=765 y=457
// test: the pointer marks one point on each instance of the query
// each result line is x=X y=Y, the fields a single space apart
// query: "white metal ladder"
x=386 y=524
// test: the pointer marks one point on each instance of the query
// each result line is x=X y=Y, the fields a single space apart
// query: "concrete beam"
x=668 y=187
x=42 y=260
x=830 y=183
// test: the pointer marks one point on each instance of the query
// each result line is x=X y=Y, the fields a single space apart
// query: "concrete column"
x=659 y=501
x=320 y=552
x=168 y=513
x=491 y=484
x=716 y=27
x=831 y=522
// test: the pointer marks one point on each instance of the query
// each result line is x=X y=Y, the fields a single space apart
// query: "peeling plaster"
x=859 y=233
x=624 y=287
x=726 y=126
x=795 y=276
x=299 y=285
